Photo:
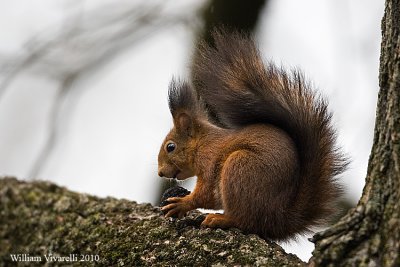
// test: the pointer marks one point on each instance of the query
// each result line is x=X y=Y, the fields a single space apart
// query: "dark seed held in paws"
x=176 y=191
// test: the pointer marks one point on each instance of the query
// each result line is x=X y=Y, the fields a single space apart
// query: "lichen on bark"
x=39 y=218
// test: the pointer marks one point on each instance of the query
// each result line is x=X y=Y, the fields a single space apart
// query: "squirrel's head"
x=176 y=157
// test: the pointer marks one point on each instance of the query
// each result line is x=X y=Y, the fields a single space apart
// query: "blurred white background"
x=83 y=84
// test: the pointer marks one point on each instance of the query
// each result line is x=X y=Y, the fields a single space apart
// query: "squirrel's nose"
x=160 y=174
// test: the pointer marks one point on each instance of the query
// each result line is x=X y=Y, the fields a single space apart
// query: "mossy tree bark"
x=369 y=235
x=41 y=223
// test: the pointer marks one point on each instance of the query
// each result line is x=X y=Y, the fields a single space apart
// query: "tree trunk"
x=369 y=235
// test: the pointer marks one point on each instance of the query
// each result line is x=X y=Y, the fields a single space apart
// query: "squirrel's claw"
x=179 y=206
x=172 y=212
x=175 y=199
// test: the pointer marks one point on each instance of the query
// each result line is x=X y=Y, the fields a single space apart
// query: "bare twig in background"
x=83 y=48
x=12 y=70
x=52 y=127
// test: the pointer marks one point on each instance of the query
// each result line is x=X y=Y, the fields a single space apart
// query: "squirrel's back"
x=238 y=90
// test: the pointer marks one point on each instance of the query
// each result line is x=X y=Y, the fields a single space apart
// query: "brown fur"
x=270 y=163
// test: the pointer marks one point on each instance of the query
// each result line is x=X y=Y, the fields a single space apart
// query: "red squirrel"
x=259 y=140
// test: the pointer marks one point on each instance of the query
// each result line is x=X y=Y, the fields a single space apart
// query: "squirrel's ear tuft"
x=181 y=98
x=184 y=106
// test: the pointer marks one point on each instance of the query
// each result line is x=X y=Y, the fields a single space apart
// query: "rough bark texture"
x=40 y=218
x=370 y=234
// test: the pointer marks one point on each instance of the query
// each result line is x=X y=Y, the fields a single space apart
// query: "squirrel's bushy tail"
x=239 y=89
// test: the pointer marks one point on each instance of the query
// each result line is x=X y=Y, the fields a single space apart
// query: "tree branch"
x=39 y=218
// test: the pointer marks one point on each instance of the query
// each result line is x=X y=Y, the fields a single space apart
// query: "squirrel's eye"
x=170 y=147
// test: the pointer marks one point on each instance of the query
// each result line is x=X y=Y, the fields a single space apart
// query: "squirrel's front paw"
x=178 y=206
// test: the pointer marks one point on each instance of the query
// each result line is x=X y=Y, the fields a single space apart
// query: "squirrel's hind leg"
x=244 y=193
x=218 y=221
